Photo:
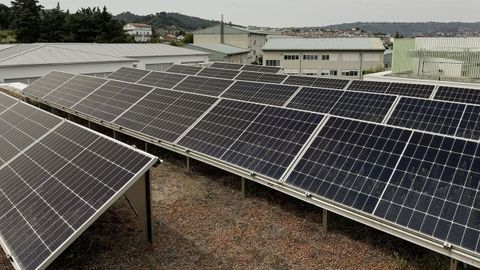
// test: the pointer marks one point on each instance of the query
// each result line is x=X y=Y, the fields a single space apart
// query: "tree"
x=26 y=20
x=188 y=38
x=53 y=28
x=397 y=35
x=4 y=17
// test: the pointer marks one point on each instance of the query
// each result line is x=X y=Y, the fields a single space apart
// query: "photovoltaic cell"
x=330 y=83
x=260 y=77
x=162 y=79
x=469 y=126
x=263 y=69
x=434 y=190
x=111 y=100
x=412 y=90
x=182 y=69
x=272 y=141
x=57 y=182
x=350 y=162
x=261 y=93
x=429 y=115
x=205 y=86
x=218 y=73
x=363 y=106
x=128 y=74
x=369 y=86
x=6 y=102
x=221 y=127
x=165 y=114
x=465 y=95
x=300 y=80
x=46 y=84
x=68 y=94
x=249 y=76
x=315 y=99
x=226 y=66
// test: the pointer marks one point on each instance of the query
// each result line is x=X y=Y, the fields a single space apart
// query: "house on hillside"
x=235 y=36
x=141 y=32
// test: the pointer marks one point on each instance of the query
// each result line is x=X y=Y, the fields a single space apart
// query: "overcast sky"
x=284 y=13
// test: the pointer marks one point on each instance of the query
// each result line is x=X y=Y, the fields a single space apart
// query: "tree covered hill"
x=411 y=29
x=167 y=20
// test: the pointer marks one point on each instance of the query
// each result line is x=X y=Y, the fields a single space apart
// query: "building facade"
x=437 y=58
x=141 y=32
x=329 y=57
x=234 y=36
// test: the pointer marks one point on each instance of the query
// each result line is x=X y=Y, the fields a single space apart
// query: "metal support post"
x=188 y=164
x=325 y=221
x=242 y=183
x=453 y=264
x=140 y=199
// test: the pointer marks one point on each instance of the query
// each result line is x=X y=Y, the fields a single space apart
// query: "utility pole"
x=222 y=31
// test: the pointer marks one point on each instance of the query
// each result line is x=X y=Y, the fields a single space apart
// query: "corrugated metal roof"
x=227 y=30
x=323 y=44
x=221 y=48
x=5 y=46
x=16 y=50
x=129 y=49
x=44 y=54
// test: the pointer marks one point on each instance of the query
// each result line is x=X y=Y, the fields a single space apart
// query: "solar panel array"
x=128 y=74
x=335 y=147
x=56 y=178
x=404 y=89
x=256 y=68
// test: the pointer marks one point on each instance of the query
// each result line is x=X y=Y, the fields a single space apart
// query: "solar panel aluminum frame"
x=143 y=172
x=371 y=221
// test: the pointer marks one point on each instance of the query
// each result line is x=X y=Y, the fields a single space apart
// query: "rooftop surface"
x=324 y=44
x=222 y=48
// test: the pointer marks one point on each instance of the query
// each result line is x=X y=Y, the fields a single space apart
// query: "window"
x=329 y=72
x=309 y=72
x=325 y=57
x=310 y=57
x=290 y=71
x=272 y=63
x=350 y=72
x=290 y=57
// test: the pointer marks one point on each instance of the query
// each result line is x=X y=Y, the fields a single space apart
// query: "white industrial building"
x=140 y=32
x=28 y=62
x=331 y=57
x=223 y=52
x=233 y=36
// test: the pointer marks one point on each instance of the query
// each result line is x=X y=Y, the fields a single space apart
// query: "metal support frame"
x=243 y=186
x=453 y=264
x=140 y=199
x=325 y=221
x=188 y=165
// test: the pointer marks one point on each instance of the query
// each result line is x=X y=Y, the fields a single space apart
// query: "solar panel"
x=226 y=66
x=300 y=80
x=330 y=83
x=315 y=99
x=58 y=183
x=272 y=78
x=249 y=76
x=412 y=90
x=469 y=126
x=466 y=95
x=369 y=86
x=258 y=68
x=272 y=141
x=162 y=79
x=128 y=74
x=363 y=106
x=46 y=84
x=6 y=102
x=182 y=69
x=261 y=93
x=111 y=100
x=165 y=114
x=220 y=127
x=434 y=190
x=218 y=73
x=205 y=86
x=350 y=162
x=429 y=115
x=74 y=90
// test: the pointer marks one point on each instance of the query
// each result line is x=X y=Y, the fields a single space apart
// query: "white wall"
x=142 y=61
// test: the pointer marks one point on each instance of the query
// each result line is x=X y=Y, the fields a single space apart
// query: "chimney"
x=222 y=31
